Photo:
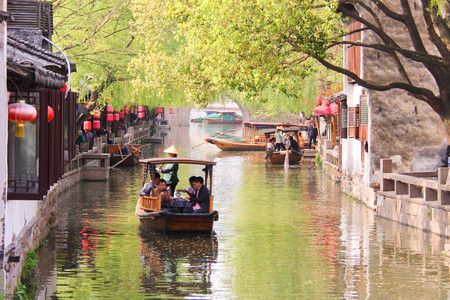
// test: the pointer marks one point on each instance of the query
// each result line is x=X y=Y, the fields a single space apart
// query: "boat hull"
x=128 y=162
x=237 y=146
x=278 y=158
x=210 y=121
x=178 y=222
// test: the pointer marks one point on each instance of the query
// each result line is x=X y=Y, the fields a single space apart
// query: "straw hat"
x=171 y=150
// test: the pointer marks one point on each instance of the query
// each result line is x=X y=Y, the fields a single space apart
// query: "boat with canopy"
x=254 y=137
x=153 y=216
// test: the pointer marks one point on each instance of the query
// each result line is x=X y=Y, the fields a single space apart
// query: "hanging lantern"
x=116 y=117
x=141 y=115
x=140 y=108
x=126 y=111
x=171 y=111
x=159 y=110
x=109 y=109
x=96 y=114
x=96 y=124
x=87 y=126
x=121 y=114
x=109 y=117
x=21 y=113
x=319 y=101
x=50 y=114
x=63 y=88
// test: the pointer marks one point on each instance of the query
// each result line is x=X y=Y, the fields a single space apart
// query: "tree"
x=204 y=48
x=96 y=36
x=255 y=45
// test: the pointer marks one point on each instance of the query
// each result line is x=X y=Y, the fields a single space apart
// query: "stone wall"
x=402 y=126
x=34 y=231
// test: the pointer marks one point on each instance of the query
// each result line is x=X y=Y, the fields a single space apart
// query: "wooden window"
x=353 y=53
x=343 y=121
x=353 y=122
x=364 y=119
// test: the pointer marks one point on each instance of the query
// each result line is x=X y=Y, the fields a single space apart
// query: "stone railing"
x=431 y=187
x=330 y=153
x=95 y=166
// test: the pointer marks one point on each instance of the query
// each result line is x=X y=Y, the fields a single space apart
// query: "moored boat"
x=278 y=157
x=118 y=158
x=151 y=214
x=256 y=135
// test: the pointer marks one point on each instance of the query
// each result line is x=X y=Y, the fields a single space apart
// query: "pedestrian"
x=312 y=136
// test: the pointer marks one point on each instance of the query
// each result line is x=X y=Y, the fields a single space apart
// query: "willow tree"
x=96 y=36
x=253 y=45
x=206 y=47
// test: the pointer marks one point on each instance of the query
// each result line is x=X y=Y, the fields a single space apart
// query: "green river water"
x=281 y=234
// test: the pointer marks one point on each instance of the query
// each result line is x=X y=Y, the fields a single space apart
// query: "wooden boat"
x=120 y=159
x=255 y=137
x=278 y=157
x=152 y=216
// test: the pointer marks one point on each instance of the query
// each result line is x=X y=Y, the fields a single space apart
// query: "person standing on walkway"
x=312 y=136
x=170 y=171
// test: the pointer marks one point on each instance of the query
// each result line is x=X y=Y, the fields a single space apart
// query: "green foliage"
x=96 y=36
x=255 y=49
x=26 y=288
x=319 y=161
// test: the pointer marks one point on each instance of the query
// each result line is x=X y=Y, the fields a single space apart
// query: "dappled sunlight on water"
x=281 y=234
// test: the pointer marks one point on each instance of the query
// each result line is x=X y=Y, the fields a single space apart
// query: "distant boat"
x=219 y=118
x=255 y=137
x=278 y=157
x=124 y=160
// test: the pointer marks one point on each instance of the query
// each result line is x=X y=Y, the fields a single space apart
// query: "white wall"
x=18 y=214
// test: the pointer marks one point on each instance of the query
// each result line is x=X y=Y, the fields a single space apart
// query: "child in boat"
x=164 y=191
x=153 y=184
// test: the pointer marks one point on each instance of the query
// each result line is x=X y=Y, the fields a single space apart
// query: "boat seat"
x=150 y=203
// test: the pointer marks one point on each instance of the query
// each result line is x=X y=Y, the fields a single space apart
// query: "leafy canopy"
x=254 y=49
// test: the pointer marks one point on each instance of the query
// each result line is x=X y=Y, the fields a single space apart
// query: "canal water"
x=282 y=234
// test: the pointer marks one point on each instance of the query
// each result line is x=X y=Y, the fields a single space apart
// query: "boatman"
x=170 y=171
x=278 y=139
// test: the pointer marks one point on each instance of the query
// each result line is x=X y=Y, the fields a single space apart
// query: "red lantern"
x=21 y=113
x=121 y=114
x=109 y=109
x=319 y=101
x=171 y=111
x=96 y=124
x=50 y=114
x=126 y=111
x=140 y=108
x=63 y=88
x=87 y=125
x=109 y=117
x=159 y=110
x=141 y=115
x=116 y=117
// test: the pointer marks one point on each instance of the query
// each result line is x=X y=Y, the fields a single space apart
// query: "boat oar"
x=198 y=145
x=121 y=160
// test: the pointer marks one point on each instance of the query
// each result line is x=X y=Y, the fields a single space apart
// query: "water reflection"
x=281 y=234
x=177 y=265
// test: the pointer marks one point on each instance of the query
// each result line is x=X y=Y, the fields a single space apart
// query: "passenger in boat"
x=189 y=190
x=270 y=148
x=278 y=139
x=287 y=141
x=200 y=200
x=170 y=171
x=153 y=184
x=124 y=149
x=162 y=190
x=294 y=144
